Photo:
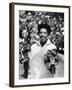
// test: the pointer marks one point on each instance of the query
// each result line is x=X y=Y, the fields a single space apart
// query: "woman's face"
x=43 y=34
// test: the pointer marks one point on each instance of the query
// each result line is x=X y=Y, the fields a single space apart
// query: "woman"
x=38 y=50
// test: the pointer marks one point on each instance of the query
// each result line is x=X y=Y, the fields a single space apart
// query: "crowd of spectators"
x=28 y=28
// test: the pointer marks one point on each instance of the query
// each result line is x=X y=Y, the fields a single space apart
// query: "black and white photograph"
x=41 y=44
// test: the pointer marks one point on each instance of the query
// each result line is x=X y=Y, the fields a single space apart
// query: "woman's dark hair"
x=46 y=26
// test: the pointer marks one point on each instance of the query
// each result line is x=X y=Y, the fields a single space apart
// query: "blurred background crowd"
x=28 y=28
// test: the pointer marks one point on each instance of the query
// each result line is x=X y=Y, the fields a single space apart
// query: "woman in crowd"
x=38 y=50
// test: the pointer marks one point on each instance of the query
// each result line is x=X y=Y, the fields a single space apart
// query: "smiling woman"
x=43 y=31
x=37 y=65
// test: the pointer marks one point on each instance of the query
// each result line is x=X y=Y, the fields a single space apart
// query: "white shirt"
x=35 y=48
x=37 y=66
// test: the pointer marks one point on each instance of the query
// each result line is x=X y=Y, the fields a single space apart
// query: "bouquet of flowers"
x=51 y=60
